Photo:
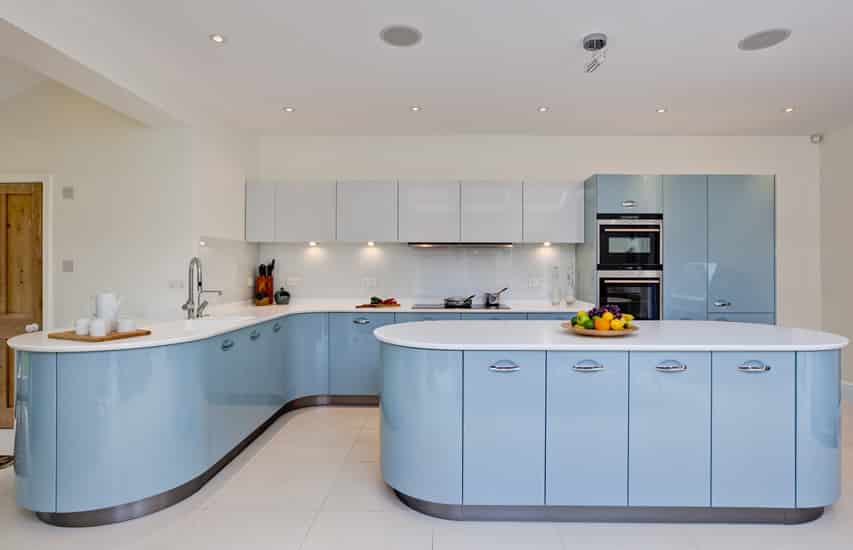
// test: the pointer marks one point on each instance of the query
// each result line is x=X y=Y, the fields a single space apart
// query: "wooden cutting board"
x=376 y=306
x=71 y=335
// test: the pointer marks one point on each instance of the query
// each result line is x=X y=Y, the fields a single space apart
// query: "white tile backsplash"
x=228 y=266
x=338 y=270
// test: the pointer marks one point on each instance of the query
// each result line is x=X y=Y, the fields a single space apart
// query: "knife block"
x=264 y=290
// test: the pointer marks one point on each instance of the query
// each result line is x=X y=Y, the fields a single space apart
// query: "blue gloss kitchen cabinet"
x=586 y=453
x=354 y=363
x=413 y=317
x=761 y=318
x=306 y=347
x=670 y=410
x=628 y=194
x=741 y=258
x=753 y=400
x=685 y=247
x=563 y=316
x=36 y=428
x=503 y=445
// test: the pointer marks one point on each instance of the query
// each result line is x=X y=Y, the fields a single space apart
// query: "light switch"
x=68 y=192
x=68 y=266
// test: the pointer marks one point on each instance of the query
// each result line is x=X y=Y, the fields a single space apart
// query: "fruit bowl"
x=599 y=333
x=607 y=321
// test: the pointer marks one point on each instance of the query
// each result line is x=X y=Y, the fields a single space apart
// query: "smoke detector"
x=596 y=45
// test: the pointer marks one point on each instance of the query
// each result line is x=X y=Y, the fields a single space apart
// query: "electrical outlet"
x=68 y=266
x=250 y=282
x=535 y=282
x=293 y=281
x=68 y=192
x=369 y=282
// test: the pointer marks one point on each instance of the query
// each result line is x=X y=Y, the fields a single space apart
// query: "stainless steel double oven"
x=630 y=263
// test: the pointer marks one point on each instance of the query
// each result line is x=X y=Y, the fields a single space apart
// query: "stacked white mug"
x=106 y=308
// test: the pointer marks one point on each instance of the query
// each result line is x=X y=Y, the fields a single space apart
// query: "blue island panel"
x=35 y=431
x=753 y=429
x=818 y=428
x=130 y=424
x=587 y=429
x=421 y=415
x=670 y=452
x=504 y=428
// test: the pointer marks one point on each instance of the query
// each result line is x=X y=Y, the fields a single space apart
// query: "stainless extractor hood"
x=461 y=245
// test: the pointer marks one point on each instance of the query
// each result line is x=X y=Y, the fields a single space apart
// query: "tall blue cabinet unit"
x=741 y=255
x=719 y=248
x=685 y=247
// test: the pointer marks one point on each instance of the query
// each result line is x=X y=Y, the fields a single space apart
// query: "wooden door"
x=20 y=277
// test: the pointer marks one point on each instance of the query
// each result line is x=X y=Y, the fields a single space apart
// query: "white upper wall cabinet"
x=553 y=212
x=429 y=212
x=305 y=212
x=367 y=211
x=260 y=212
x=491 y=212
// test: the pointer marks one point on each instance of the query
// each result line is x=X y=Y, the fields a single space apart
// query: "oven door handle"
x=632 y=281
x=632 y=230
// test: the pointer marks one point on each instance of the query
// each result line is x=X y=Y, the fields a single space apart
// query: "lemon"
x=617 y=324
x=607 y=316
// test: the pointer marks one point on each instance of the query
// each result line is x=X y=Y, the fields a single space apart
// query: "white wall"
x=835 y=223
x=143 y=198
x=339 y=270
x=126 y=228
x=794 y=161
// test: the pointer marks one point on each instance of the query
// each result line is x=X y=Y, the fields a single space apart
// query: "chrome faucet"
x=194 y=306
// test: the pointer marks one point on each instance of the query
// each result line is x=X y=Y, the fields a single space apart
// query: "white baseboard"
x=847 y=391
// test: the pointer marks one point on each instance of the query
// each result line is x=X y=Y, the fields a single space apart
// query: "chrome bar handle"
x=671 y=365
x=504 y=365
x=753 y=366
x=629 y=204
x=227 y=344
x=361 y=321
x=255 y=334
x=722 y=303
x=588 y=365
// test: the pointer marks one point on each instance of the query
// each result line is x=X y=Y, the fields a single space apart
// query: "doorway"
x=21 y=290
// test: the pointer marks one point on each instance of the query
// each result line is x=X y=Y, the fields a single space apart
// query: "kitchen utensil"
x=99 y=327
x=126 y=325
x=81 y=326
x=282 y=297
x=70 y=335
x=458 y=301
x=378 y=306
x=493 y=299
x=600 y=333
x=262 y=270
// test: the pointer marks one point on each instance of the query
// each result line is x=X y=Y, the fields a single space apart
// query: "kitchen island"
x=111 y=431
x=699 y=421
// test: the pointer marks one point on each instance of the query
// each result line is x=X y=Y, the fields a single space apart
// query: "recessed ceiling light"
x=312 y=243
x=661 y=109
x=415 y=108
x=547 y=243
x=788 y=109
x=400 y=35
x=542 y=109
x=218 y=38
x=764 y=39
x=371 y=243
x=288 y=109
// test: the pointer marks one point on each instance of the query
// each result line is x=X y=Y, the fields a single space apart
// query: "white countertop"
x=230 y=317
x=652 y=336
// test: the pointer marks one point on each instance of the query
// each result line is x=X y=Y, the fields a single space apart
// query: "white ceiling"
x=15 y=79
x=484 y=66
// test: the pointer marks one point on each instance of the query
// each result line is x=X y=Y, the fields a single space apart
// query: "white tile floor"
x=312 y=482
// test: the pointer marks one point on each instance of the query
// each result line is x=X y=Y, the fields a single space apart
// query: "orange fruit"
x=602 y=324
